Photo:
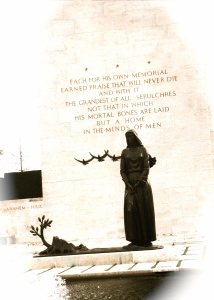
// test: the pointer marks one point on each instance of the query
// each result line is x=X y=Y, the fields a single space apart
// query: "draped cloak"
x=139 y=215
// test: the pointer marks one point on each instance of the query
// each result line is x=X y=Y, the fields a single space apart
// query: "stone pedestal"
x=165 y=254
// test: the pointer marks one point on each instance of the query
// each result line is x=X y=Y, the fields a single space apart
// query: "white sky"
x=21 y=39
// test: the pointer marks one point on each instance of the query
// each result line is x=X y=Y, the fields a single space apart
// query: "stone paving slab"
x=75 y=270
x=97 y=269
x=180 y=250
x=143 y=266
x=195 y=251
x=35 y=272
x=191 y=256
x=195 y=246
x=123 y=267
x=166 y=265
x=52 y=272
x=191 y=264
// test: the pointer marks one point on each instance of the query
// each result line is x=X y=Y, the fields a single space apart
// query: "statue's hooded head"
x=137 y=140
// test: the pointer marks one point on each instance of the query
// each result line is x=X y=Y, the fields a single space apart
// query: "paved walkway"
x=191 y=256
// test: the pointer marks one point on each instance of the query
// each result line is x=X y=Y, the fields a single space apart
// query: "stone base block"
x=111 y=258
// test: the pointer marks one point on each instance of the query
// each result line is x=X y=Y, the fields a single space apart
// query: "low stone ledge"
x=165 y=254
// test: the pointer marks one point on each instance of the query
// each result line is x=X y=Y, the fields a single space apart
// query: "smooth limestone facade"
x=105 y=67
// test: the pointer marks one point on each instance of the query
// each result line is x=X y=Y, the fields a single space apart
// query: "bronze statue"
x=100 y=158
x=139 y=215
x=84 y=162
x=62 y=247
x=113 y=157
x=59 y=246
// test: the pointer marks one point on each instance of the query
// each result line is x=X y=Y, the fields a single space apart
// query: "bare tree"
x=21 y=159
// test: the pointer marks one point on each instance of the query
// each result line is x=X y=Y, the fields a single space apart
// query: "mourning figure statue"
x=139 y=215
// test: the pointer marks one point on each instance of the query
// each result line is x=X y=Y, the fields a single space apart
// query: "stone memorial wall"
x=110 y=66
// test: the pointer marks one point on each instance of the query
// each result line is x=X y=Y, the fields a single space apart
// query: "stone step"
x=165 y=254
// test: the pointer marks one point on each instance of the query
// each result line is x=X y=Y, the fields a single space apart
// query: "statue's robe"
x=139 y=215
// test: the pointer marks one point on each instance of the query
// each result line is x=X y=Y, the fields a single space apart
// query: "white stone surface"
x=165 y=254
x=167 y=265
x=182 y=138
x=195 y=252
x=191 y=256
x=76 y=270
x=103 y=259
x=191 y=264
x=143 y=266
x=95 y=39
x=97 y=269
x=122 y=267
x=32 y=273
x=42 y=267
x=80 y=260
x=52 y=272
x=196 y=247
